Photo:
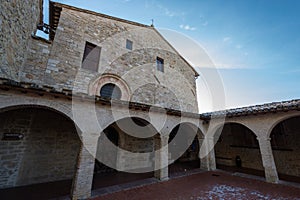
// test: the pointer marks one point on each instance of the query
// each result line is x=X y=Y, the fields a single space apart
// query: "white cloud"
x=187 y=27
x=227 y=39
x=205 y=23
x=166 y=11
x=169 y=13
x=238 y=46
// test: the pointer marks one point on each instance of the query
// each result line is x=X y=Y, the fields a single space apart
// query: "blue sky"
x=254 y=44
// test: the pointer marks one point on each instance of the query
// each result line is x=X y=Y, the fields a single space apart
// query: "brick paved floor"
x=203 y=185
x=207 y=185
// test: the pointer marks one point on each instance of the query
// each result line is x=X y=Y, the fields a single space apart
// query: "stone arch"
x=20 y=106
x=280 y=119
x=99 y=82
x=237 y=148
x=185 y=142
x=60 y=108
x=54 y=106
x=48 y=135
x=120 y=115
x=285 y=144
x=158 y=118
x=132 y=154
x=192 y=122
x=217 y=126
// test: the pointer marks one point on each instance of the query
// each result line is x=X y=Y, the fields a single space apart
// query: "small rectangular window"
x=129 y=44
x=160 y=64
x=91 y=57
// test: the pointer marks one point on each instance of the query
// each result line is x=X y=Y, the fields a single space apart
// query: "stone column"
x=268 y=159
x=161 y=158
x=83 y=178
x=207 y=154
x=201 y=154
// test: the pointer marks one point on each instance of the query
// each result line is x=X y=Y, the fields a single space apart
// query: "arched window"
x=110 y=91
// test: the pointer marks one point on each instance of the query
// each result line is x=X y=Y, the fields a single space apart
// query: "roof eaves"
x=60 y=5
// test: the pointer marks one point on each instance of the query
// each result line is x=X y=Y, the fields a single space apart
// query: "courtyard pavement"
x=205 y=185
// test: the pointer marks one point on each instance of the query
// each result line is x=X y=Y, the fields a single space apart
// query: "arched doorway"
x=285 y=141
x=117 y=159
x=184 y=148
x=39 y=150
x=237 y=150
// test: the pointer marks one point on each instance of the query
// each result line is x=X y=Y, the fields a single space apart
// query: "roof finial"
x=152 y=25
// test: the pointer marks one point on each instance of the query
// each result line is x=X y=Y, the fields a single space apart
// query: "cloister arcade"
x=59 y=141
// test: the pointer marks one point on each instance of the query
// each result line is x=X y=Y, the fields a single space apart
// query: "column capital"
x=209 y=138
x=264 y=138
x=164 y=137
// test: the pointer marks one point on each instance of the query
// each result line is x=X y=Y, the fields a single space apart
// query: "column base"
x=164 y=179
x=271 y=177
x=79 y=197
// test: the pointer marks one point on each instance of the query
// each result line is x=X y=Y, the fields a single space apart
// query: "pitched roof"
x=256 y=109
x=55 y=9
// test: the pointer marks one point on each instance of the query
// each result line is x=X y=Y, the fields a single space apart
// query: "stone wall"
x=48 y=151
x=34 y=67
x=135 y=150
x=175 y=87
x=226 y=150
x=287 y=158
x=18 y=20
x=127 y=153
x=142 y=147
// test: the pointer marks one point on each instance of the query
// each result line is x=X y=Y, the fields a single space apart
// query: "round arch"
x=282 y=118
x=237 y=149
x=57 y=108
x=191 y=122
x=285 y=143
x=131 y=156
x=39 y=106
x=47 y=135
x=104 y=79
x=185 y=141
x=135 y=135
x=218 y=126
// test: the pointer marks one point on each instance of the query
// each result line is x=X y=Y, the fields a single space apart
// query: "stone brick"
x=59 y=64
x=42 y=156
x=15 y=34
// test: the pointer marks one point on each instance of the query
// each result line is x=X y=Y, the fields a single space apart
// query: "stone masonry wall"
x=131 y=144
x=288 y=160
x=48 y=151
x=18 y=20
x=137 y=67
x=35 y=66
x=226 y=153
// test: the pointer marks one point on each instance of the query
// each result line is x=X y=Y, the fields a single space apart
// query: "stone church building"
x=105 y=95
